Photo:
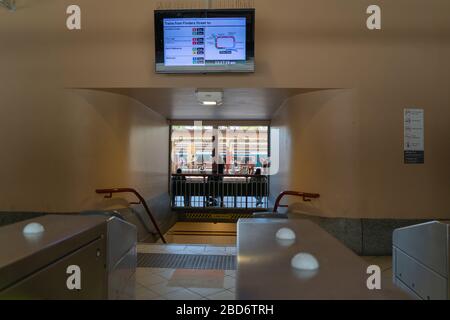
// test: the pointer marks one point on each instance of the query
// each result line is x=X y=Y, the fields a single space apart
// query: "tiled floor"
x=185 y=284
x=186 y=249
x=189 y=284
x=154 y=283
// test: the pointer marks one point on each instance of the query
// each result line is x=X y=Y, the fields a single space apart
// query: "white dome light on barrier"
x=33 y=229
x=285 y=234
x=304 y=261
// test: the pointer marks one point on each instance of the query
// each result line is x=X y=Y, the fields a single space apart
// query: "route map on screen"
x=204 y=41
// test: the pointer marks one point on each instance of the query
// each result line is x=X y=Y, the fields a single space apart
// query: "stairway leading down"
x=202 y=233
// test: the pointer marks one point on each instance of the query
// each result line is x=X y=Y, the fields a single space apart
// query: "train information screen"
x=203 y=41
x=209 y=41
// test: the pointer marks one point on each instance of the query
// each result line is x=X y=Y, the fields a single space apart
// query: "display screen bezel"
x=249 y=65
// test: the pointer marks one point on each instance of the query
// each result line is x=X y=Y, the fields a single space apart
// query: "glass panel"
x=192 y=149
x=243 y=149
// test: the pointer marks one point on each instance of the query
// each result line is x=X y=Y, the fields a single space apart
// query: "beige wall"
x=319 y=150
x=299 y=44
x=389 y=188
x=58 y=145
x=347 y=145
x=57 y=152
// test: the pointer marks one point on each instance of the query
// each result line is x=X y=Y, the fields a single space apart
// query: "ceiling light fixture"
x=209 y=97
x=209 y=103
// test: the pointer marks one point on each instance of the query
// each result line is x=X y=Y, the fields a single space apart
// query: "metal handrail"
x=215 y=190
x=109 y=193
x=305 y=195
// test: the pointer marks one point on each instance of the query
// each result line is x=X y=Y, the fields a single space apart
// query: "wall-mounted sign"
x=413 y=125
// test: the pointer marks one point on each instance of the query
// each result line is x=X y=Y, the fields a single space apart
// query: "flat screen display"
x=202 y=41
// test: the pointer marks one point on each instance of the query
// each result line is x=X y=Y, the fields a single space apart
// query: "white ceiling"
x=238 y=104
